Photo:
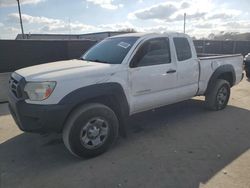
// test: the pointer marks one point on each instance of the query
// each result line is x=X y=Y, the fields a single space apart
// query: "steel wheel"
x=222 y=96
x=94 y=133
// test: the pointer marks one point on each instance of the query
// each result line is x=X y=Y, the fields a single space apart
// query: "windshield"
x=111 y=50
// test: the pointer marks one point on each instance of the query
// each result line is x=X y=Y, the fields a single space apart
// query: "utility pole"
x=20 y=16
x=185 y=22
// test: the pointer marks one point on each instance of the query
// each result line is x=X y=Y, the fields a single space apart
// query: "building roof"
x=131 y=35
x=92 y=36
x=149 y=34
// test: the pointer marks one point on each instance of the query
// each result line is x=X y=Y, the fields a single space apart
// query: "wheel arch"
x=109 y=94
x=225 y=72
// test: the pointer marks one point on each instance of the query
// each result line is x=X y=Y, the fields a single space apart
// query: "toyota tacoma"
x=89 y=99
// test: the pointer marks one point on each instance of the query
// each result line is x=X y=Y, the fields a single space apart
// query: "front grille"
x=15 y=87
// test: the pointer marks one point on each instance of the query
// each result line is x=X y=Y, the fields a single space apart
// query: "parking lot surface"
x=178 y=146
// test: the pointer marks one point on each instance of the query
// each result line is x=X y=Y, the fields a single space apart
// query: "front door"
x=152 y=75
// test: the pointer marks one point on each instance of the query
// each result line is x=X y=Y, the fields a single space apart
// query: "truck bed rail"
x=216 y=56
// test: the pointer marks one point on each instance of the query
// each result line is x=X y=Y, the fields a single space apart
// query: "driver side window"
x=152 y=52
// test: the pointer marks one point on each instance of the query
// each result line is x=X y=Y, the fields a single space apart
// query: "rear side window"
x=182 y=48
x=153 y=52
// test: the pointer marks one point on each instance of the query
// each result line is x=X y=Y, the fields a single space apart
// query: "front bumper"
x=37 y=118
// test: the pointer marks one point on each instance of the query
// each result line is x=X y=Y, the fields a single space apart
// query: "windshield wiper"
x=94 y=60
x=99 y=61
x=81 y=58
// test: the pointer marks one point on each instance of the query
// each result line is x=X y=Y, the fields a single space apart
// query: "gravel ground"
x=181 y=145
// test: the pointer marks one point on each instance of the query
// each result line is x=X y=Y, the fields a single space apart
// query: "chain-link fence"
x=222 y=47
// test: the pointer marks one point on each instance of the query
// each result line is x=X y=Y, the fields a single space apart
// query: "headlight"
x=38 y=91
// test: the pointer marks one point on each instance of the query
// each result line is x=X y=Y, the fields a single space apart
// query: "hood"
x=51 y=71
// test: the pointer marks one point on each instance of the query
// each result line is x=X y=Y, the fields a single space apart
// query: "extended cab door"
x=187 y=66
x=152 y=75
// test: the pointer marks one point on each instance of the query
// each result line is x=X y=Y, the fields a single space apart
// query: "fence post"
x=203 y=46
x=234 y=47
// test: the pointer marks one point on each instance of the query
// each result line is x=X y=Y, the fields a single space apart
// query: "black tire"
x=80 y=124
x=217 y=98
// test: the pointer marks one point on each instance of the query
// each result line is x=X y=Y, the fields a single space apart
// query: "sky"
x=85 y=16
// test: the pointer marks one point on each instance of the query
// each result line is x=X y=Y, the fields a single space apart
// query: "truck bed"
x=210 y=62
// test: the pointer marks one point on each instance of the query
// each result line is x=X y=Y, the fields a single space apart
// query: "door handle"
x=171 y=71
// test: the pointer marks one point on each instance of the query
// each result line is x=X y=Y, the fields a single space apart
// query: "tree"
x=211 y=36
x=128 y=30
x=229 y=36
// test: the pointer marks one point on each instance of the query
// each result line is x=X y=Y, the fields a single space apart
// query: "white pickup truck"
x=89 y=99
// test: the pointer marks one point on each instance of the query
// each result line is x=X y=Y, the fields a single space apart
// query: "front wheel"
x=218 y=97
x=90 y=130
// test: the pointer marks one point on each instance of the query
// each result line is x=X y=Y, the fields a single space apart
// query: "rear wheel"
x=90 y=130
x=218 y=97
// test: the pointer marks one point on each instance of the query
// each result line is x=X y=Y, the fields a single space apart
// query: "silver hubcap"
x=94 y=133
x=222 y=96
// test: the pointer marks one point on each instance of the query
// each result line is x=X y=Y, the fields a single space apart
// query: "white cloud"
x=223 y=14
x=160 y=11
x=8 y=32
x=50 y=25
x=192 y=16
x=166 y=11
x=156 y=29
x=203 y=17
x=8 y=3
x=107 y=4
x=174 y=11
x=116 y=26
x=169 y=12
x=185 y=5
x=34 y=19
x=204 y=25
x=245 y=24
x=202 y=29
